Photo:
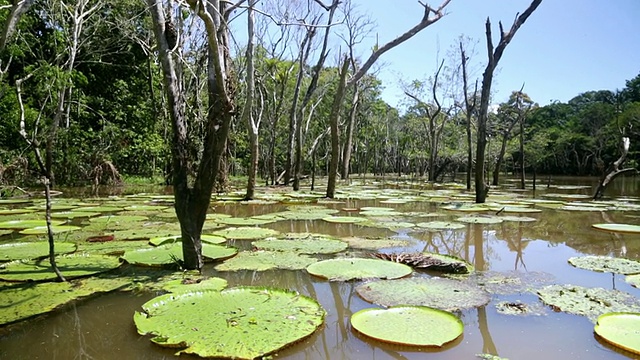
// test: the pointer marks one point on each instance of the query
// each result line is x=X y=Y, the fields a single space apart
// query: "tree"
x=192 y=201
x=487 y=78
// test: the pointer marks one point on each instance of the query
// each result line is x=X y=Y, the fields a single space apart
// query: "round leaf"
x=32 y=250
x=71 y=266
x=621 y=330
x=355 y=268
x=635 y=229
x=606 y=264
x=241 y=323
x=408 y=325
x=245 y=233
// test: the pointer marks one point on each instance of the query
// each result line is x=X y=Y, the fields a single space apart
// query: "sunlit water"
x=102 y=328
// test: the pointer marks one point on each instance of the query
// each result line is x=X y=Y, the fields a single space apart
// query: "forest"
x=193 y=93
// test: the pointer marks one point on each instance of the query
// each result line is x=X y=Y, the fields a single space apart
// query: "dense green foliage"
x=112 y=113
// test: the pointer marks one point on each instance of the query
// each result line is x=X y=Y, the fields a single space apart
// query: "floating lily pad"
x=100 y=209
x=23 y=300
x=583 y=208
x=241 y=323
x=625 y=228
x=312 y=244
x=634 y=280
x=33 y=250
x=164 y=240
x=54 y=207
x=516 y=209
x=606 y=264
x=56 y=229
x=145 y=208
x=16 y=211
x=71 y=266
x=441 y=225
x=242 y=221
x=466 y=207
x=118 y=218
x=356 y=268
x=620 y=329
x=430 y=261
x=444 y=294
x=245 y=233
x=199 y=284
x=73 y=214
x=480 y=220
x=518 y=218
x=170 y=254
x=518 y=308
x=589 y=302
x=511 y=282
x=408 y=325
x=117 y=248
x=25 y=224
x=266 y=260
x=375 y=243
x=14 y=201
x=344 y=219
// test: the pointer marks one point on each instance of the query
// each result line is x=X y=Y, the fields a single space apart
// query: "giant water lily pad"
x=172 y=253
x=191 y=284
x=73 y=214
x=441 y=225
x=408 y=325
x=634 y=280
x=625 y=228
x=311 y=244
x=56 y=229
x=589 y=302
x=621 y=330
x=242 y=221
x=487 y=220
x=25 y=224
x=164 y=240
x=33 y=250
x=241 y=323
x=429 y=261
x=344 y=219
x=266 y=260
x=375 y=243
x=444 y=294
x=245 y=233
x=23 y=300
x=115 y=219
x=71 y=266
x=110 y=247
x=606 y=264
x=355 y=268
x=16 y=211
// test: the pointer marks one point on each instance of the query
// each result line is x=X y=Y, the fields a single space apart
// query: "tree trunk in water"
x=335 y=131
x=500 y=160
x=522 y=166
x=247 y=115
x=614 y=170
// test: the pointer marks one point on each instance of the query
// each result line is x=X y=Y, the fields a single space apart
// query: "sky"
x=565 y=48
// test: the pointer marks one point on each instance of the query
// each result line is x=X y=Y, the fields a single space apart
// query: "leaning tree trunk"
x=351 y=124
x=614 y=170
x=334 y=119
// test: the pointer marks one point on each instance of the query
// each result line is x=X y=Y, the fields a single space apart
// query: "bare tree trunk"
x=614 y=170
x=247 y=112
x=470 y=107
x=487 y=78
x=334 y=119
x=351 y=124
x=522 y=166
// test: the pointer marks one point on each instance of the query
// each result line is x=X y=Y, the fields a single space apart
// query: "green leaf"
x=408 y=325
x=606 y=264
x=374 y=243
x=266 y=260
x=620 y=329
x=189 y=284
x=168 y=254
x=33 y=250
x=634 y=280
x=626 y=228
x=241 y=323
x=56 y=229
x=355 y=268
x=245 y=233
x=311 y=244
x=71 y=266
x=439 y=293
x=344 y=219
x=164 y=240
x=25 y=224
x=441 y=225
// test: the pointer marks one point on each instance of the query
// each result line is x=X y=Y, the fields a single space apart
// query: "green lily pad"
x=606 y=264
x=118 y=218
x=73 y=214
x=241 y=323
x=312 y=244
x=466 y=207
x=518 y=218
x=54 y=207
x=441 y=225
x=266 y=260
x=589 y=302
x=634 y=280
x=71 y=266
x=375 y=243
x=242 y=221
x=14 y=201
x=145 y=208
x=245 y=233
x=344 y=219
x=511 y=282
x=517 y=209
x=170 y=254
x=25 y=224
x=620 y=329
x=16 y=211
x=355 y=268
x=116 y=248
x=444 y=294
x=164 y=240
x=33 y=250
x=430 y=261
x=625 y=228
x=518 y=308
x=408 y=325
x=189 y=284
x=480 y=220
x=56 y=229
x=23 y=300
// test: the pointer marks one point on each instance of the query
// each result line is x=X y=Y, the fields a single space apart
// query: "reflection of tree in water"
x=479 y=238
x=512 y=233
x=443 y=242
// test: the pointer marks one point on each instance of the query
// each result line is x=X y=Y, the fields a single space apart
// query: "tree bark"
x=334 y=120
x=351 y=124
x=247 y=112
x=487 y=78
x=614 y=170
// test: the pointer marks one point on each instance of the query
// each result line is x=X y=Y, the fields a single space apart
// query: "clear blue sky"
x=565 y=48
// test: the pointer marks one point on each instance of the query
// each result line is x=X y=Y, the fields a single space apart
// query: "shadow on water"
x=102 y=327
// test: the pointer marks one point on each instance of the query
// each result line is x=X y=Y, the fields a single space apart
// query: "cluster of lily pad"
x=141 y=230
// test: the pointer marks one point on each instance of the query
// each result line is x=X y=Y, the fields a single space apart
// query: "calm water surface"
x=102 y=328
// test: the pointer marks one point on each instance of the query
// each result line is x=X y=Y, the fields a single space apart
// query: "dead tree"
x=482 y=189
x=613 y=170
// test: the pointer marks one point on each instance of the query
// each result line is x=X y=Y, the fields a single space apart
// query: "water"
x=102 y=327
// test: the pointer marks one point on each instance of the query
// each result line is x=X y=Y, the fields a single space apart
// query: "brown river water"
x=102 y=327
